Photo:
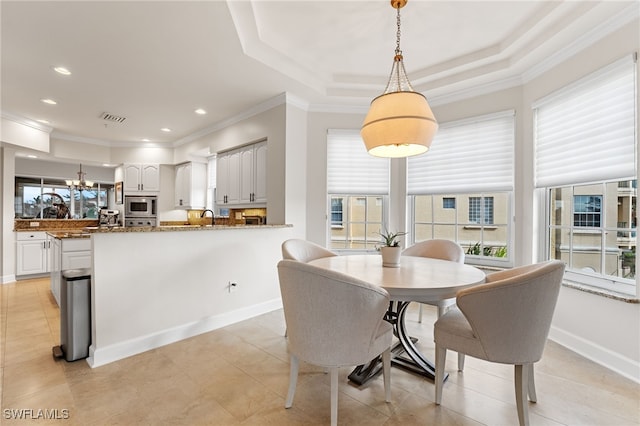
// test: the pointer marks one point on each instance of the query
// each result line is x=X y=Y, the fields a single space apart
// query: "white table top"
x=418 y=279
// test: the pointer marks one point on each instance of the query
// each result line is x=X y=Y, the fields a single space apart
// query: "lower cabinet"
x=68 y=253
x=32 y=254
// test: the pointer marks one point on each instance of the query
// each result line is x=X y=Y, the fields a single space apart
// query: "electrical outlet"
x=232 y=287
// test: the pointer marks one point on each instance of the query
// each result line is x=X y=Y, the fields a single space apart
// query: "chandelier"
x=79 y=184
x=399 y=122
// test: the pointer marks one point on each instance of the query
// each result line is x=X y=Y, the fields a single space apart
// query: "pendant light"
x=79 y=184
x=399 y=122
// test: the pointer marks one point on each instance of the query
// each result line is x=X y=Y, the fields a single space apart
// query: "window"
x=448 y=203
x=486 y=239
x=594 y=234
x=591 y=199
x=481 y=210
x=358 y=188
x=37 y=198
x=586 y=210
x=461 y=189
x=336 y=212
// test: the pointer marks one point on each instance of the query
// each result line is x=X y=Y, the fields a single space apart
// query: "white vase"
x=391 y=256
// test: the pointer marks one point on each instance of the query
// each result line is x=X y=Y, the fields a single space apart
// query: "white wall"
x=168 y=286
x=23 y=135
x=8 y=250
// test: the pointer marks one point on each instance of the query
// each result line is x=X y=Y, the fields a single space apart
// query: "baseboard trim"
x=105 y=355
x=8 y=279
x=622 y=365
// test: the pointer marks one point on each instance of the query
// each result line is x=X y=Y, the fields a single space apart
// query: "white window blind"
x=350 y=169
x=467 y=156
x=585 y=132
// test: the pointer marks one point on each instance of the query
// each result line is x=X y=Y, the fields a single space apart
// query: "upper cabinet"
x=227 y=175
x=241 y=176
x=141 y=178
x=191 y=186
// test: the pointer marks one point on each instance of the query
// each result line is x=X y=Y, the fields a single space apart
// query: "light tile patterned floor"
x=238 y=375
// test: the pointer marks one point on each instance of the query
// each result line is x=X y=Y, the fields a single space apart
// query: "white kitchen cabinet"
x=32 y=253
x=141 y=178
x=242 y=175
x=56 y=268
x=227 y=178
x=191 y=186
x=68 y=253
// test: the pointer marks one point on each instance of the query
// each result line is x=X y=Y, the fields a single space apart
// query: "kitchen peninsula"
x=154 y=286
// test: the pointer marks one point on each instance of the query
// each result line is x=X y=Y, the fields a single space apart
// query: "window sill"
x=622 y=297
x=485 y=227
x=626 y=298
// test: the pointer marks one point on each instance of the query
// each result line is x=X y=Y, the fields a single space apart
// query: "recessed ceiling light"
x=43 y=121
x=49 y=101
x=146 y=140
x=165 y=129
x=200 y=111
x=62 y=70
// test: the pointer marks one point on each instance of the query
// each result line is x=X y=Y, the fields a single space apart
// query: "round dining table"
x=417 y=279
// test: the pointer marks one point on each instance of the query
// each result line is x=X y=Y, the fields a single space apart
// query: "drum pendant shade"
x=400 y=122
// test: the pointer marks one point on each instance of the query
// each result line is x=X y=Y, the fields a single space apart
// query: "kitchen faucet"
x=213 y=219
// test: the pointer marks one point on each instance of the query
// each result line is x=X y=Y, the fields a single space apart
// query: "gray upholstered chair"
x=437 y=249
x=504 y=320
x=303 y=251
x=334 y=320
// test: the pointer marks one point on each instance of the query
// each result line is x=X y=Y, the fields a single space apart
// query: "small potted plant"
x=390 y=248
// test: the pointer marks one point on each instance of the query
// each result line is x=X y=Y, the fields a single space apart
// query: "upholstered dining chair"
x=334 y=320
x=504 y=320
x=303 y=251
x=437 y=249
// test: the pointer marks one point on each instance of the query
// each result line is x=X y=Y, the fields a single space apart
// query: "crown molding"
x=605 y=28
x=26 y=122
x=278 y=100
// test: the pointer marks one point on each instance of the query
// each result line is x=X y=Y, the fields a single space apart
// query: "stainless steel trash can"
x=75 y=313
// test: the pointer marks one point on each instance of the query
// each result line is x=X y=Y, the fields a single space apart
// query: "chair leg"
x=532 y=385
x=386 y=372
x=334 y=396
x=420 y=314
x=293 y=380
x=441 y=357
x=521 y=382
x=460 y=361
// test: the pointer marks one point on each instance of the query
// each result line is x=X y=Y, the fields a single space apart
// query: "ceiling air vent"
x=113 y=118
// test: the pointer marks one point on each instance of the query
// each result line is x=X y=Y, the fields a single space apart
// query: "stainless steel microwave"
x=140 y=206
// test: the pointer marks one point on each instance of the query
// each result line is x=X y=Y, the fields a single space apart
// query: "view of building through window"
x=593 y=228
x=356 y=221
x=478 y=222
x=40 y=198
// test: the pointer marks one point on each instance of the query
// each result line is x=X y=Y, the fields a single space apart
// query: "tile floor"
x=238 y=375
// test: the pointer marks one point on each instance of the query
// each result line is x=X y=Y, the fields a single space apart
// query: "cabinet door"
x=56 y=268
x=260 y=173
x=31 y=257
x=132 y=177
x=246 y=175
x=233 y=188
x=182 y=198
x=150 y=177
x=222 y=179
x=76 y=260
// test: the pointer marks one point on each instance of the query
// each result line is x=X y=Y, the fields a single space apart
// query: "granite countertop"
x=172 y=228
x=71 y=233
